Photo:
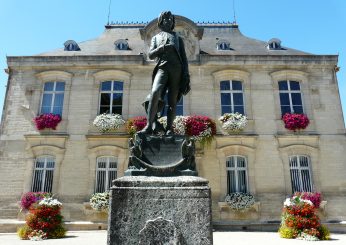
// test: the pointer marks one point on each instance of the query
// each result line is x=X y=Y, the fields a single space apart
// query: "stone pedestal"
x=160 y=210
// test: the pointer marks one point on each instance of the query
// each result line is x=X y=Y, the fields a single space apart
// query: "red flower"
x=295 y=121
x=47 y=121
x=136 y=124
x=195 y=125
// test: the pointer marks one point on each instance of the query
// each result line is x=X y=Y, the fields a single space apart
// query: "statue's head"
x=166 y=21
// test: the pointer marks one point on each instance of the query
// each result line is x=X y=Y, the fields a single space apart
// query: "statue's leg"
x=159 y=84
x=173 y=91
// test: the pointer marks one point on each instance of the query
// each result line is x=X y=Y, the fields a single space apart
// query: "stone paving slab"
x=220 y=238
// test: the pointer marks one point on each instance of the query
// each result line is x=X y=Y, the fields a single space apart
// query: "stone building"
x=229 y=72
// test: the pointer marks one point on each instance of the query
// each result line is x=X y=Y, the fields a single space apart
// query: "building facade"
x=229 y=73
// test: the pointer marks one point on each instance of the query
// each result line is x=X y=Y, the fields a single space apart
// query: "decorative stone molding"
x=289 y=141
x=46 y=76
x=289 y=75
x=244 y=76
x=224 y=143
x=54 y=143
x=112 y=75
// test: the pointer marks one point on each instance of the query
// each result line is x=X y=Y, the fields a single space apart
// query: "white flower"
x=108 y=122
x=100 y=201
x=240 y=201
x=178 y=124
x=307 y=201
x=233 y=122
x=49 y=201
x=288 y=202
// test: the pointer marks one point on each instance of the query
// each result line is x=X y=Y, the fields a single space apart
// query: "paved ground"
x=220 y=238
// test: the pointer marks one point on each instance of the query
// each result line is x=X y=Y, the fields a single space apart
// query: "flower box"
x=47 y=121
x=295 y=121
x=233 y=123
x=108 y=123
x=224 y=206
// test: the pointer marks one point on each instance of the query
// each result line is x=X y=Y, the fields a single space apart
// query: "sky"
x=32 y=27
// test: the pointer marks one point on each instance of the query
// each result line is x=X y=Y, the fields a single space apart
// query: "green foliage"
x=24 y=231
x=324 y=232
x=58 y=232
x=288 y=233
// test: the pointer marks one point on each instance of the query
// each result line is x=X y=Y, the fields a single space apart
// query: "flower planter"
x=233 y=123
x=108 y=123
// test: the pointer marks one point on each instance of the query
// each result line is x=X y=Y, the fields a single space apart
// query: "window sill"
x=223 y=206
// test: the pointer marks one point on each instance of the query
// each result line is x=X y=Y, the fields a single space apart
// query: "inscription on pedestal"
x=160 y=231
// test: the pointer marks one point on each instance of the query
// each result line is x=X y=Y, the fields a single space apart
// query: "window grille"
x=53 y=98
x=111 y=97
x=106 y=172
x=300 y=174
x=232 y=97
x=43 y=174
x=290 y=97
x=236 y=167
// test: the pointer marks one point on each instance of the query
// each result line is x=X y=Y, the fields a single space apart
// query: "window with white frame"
x=237 y=180
x=232 y=97
x=290 y=97
x=106 y=172
x=43 y=174
x=300 y=173
x=179 y=107
x=111 y=97
x=53 y=98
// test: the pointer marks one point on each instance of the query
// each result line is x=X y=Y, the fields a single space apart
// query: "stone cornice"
x=205 y=59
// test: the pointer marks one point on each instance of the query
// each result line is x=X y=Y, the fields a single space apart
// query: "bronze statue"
x=171 y=73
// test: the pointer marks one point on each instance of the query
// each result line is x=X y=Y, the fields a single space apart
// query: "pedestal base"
x=160 y=210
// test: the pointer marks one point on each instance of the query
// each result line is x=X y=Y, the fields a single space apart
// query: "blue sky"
x=32 y=27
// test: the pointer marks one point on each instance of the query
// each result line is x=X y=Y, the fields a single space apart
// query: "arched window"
x=111 y=97
x=53 y=98
x=237 y=177
x=300 y=173
x=232 y=98
x=290 y=97
x=43 y=174
x=106 y=172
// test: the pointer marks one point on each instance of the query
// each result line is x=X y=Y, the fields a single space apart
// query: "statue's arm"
x=155 y=51
x=183 y=57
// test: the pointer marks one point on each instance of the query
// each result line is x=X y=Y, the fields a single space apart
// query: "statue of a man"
x=171 y=73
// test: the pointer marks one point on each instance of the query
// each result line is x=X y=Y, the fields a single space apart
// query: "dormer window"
x=71 y=45
x=121 y=44
x=223 y=45
x=274 y=44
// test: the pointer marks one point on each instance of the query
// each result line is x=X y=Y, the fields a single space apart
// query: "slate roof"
x=239 y=44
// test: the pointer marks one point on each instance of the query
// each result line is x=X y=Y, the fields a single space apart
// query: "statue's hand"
x=186 y=84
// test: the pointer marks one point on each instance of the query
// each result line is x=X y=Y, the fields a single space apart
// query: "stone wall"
x=265 y=142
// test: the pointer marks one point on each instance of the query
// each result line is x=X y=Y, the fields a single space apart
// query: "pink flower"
x=295 y=121
x=47 y=121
